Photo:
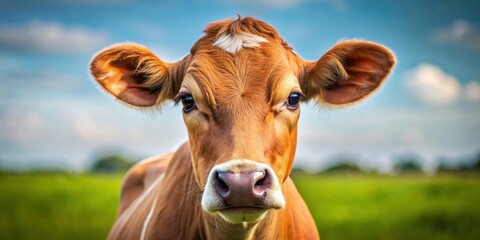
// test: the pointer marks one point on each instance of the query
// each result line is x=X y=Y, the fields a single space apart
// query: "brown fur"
x=239 y=115
x=179 y=216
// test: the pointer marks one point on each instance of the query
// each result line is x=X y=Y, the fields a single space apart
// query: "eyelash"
x=188 y=104
x=297 y=96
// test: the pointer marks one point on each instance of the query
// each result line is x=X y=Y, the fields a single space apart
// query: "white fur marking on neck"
x=147 y=219
x=233 y=43
x=136 y=204
x=149 y=189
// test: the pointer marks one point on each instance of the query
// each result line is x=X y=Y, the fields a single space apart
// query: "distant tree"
x=408 y=166
x=343 y=166
x=111 y=164
x=465 y=165
x=476 y=166
x=444 y=167
x=297 y=171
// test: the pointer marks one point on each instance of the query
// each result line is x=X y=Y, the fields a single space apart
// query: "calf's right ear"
x=349 y=72
x=134 y=75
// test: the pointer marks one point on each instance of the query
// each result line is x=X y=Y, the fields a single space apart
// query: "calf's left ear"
x=347 y=73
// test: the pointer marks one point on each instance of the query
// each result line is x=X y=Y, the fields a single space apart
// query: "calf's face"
x=240 y=88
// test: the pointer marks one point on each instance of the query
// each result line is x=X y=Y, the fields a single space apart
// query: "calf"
x=241 y=87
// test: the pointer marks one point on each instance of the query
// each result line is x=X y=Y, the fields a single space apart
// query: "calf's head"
x=240 y=87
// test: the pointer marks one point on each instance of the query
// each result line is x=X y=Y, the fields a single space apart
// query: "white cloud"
x=375 y=134
x=27 y=83
x=460 y=32
x=87 y=129
x=472 y=91
x=25 y=79
x=432 y=85
x=100 y=131
x=65 y=131
x=413 y=137
x=22 y=127
x=50 y=37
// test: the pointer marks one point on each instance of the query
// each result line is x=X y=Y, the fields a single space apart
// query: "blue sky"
x=53 y=115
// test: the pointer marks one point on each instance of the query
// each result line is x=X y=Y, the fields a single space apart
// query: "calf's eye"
x=293 y=101
x=188 y=103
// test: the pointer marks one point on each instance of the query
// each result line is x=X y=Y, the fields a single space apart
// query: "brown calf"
x=240 y=87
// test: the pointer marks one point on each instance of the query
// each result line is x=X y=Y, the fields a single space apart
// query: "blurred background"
x=407 y=157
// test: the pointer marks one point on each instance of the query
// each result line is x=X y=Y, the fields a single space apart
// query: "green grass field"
x=380 y=207
x=61 y=206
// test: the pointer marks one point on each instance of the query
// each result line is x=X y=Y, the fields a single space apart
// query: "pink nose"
x=246 y=189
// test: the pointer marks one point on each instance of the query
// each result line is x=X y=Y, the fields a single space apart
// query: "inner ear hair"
x=349 y=72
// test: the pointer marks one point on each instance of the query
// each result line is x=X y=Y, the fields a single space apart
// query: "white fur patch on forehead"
x=233 y=43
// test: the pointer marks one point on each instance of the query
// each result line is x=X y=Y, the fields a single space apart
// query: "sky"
x=52 y=115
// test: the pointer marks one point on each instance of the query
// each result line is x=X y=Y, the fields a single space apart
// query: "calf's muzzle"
x=244 y=189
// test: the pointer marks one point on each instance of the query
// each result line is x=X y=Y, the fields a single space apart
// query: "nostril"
x=221 y=185
x=262 y=184
x=261 y=176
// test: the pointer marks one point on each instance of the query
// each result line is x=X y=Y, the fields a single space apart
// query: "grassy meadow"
x=404 y=207
x=63 y=206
